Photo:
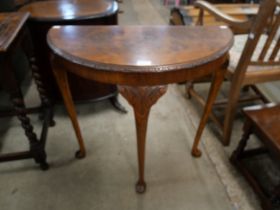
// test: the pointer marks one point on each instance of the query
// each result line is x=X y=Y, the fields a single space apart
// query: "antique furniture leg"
x=62 y=81
x=46 y=102
x=215 y=86
x=232 y=107
x=141 y=99
x=11 y=86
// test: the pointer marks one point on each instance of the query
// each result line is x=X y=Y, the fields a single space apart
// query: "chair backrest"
x=263 y=41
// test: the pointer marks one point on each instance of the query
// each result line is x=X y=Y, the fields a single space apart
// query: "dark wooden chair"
x=258 y=62
x=264 y=121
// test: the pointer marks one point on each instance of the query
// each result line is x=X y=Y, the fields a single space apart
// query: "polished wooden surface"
x=149 y=58
x=141 y=60
x=268 y=121
x=70 y=9
x=70 y=12
x=10 y=25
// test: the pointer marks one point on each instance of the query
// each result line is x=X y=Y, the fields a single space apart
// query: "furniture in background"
x=185 y=2
x=21 y=66
x=44 y=15
x=142 y=60
x=192 y=15
x=264 y=122
x=257 y=63
x=12 y=34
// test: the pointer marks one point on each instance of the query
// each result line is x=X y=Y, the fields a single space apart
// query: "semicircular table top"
x=69 y=9
x=140 y=48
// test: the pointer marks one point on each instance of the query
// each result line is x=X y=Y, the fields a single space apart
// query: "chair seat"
x=267 y=122
x=253 y=71
x=264 y=121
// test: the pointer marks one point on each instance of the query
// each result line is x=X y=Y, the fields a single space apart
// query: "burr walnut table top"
x=70 y=9
x=166 y=54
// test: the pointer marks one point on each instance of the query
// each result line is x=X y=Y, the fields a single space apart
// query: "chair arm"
x=237 y=25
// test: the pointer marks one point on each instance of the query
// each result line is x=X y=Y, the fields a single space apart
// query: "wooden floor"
x=143 y=12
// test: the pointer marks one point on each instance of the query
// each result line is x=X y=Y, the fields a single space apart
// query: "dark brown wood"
x=140 y=59
x=67 y=12
x=12 y=34
x=250 y=70
x=263 y=121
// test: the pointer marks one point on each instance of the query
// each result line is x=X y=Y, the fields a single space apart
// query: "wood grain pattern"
x=160 y=51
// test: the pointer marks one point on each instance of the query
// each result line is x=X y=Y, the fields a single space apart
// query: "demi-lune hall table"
x=141 y=60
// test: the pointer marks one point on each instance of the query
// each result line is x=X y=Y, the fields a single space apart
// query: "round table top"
x=63 y=10
x=141 y=51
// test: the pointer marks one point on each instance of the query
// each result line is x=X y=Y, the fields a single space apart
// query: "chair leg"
x=230 y=112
